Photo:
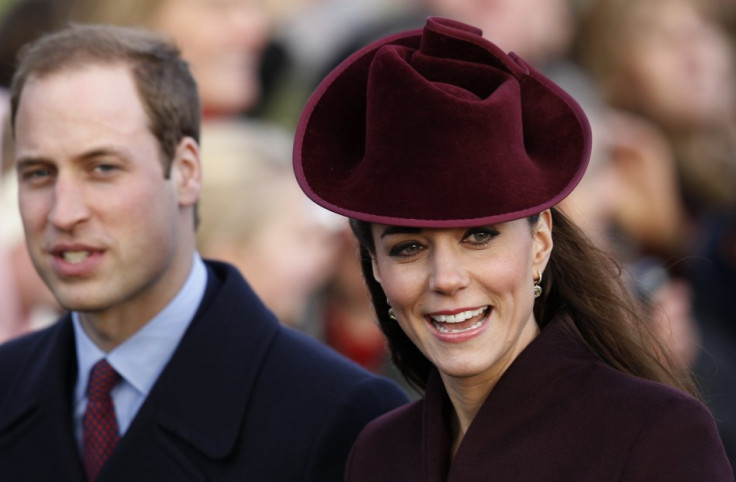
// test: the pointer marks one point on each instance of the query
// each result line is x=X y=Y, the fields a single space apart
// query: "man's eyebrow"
x=101 y=152
x=400 y=230
x=26 y=162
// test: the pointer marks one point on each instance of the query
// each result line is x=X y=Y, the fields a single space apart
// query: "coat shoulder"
x=390 y=446
x=323 y=370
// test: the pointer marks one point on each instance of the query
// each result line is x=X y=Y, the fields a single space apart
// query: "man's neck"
x=111 y=327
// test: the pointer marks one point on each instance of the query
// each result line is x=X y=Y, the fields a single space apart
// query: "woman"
x=449 y=157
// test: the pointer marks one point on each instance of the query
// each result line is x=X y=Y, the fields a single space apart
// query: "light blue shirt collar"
x=141 y=358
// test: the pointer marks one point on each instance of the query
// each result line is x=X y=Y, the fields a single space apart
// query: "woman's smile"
x=462 y=322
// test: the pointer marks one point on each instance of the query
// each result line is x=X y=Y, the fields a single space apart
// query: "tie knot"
x=101 y=380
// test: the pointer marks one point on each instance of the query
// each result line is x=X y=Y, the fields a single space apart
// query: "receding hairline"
x=79 y=65
x=74 y=47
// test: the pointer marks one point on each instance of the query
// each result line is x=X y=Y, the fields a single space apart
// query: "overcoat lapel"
x=201 y=398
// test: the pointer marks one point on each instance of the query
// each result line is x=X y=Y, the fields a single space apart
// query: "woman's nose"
x=448 y=274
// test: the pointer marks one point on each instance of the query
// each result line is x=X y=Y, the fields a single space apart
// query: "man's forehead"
x=74 y=105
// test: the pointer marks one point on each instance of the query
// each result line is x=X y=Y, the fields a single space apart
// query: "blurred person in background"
x=10 y=319
x=548 y=25
x=27 y=303
x=628 y=204
x=629 y=200
x=670 y=63
x=667 y=302
x=255 y=216
x=307 y=38
x=223 y=41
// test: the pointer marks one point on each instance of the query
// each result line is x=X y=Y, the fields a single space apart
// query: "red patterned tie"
x=99 y=425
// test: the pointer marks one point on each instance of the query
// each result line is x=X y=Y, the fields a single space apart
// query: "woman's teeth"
x=443 y=323
x=443 y=329
x=458 y=317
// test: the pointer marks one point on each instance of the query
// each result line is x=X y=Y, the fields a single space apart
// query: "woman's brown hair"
x=582 y=285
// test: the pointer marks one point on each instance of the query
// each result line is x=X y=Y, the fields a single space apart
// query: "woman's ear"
x=376 y=274
x=186 y=171
x=542 y=241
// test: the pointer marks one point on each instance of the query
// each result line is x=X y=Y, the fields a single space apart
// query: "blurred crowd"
x=656 y=77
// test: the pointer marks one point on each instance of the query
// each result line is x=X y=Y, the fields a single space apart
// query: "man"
x=190 y=376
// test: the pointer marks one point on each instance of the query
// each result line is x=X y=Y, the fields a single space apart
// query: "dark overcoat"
x=243 y=398
x=557 y=414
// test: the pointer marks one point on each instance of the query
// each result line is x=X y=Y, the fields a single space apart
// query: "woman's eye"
x=405 y=249
x=481 y=236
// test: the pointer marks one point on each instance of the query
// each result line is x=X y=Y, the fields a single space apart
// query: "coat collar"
x=534 y=379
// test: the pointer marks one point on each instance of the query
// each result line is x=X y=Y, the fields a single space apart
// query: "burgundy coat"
x=557 y=414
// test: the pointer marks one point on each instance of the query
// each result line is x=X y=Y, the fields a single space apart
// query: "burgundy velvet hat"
x=438 y=127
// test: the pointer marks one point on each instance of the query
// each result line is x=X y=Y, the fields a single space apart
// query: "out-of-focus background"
x=656 y=77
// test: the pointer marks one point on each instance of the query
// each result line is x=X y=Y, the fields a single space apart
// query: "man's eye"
x=35 y=174
x=105 y=168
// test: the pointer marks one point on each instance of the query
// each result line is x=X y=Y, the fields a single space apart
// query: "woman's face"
x=464 y=296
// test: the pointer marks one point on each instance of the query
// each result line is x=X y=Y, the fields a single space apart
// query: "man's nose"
x=69 y=206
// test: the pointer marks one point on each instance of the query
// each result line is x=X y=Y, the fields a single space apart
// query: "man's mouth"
x=460 y=322
x=74 y=257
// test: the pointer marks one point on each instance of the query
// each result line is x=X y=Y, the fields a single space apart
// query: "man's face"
x=104 y=228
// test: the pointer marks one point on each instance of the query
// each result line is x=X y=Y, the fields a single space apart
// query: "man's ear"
x=186 y=171
x=542 y=242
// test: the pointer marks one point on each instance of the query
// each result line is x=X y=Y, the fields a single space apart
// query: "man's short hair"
x=163 y=79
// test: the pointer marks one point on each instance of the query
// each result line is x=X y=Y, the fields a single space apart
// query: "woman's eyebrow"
x=400 y=230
